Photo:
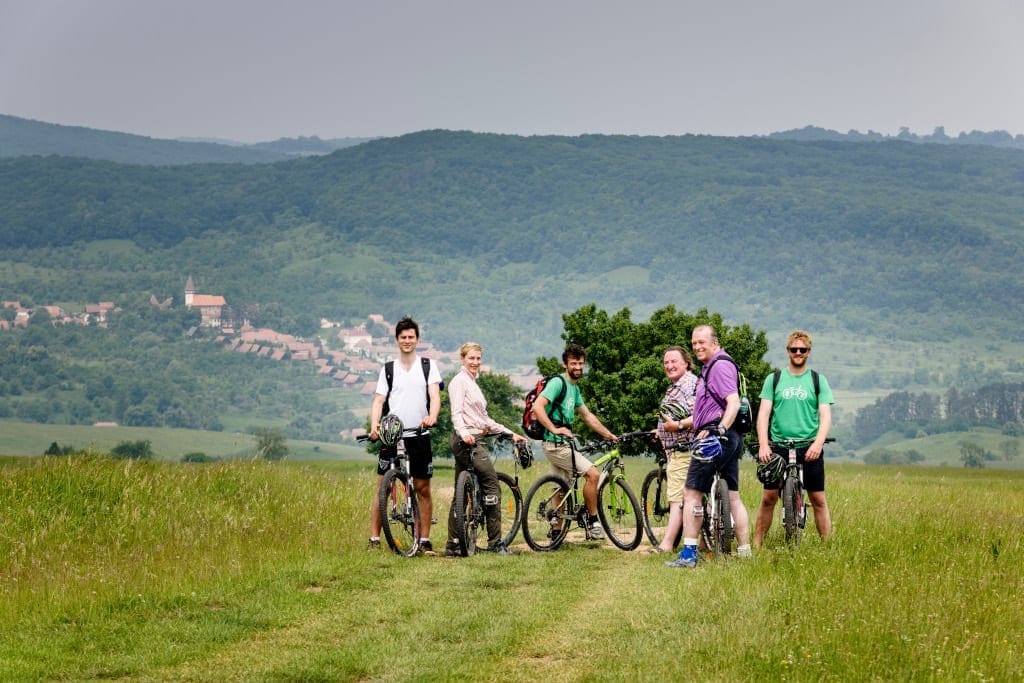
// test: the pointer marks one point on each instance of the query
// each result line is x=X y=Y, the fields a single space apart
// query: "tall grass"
x=164 y=571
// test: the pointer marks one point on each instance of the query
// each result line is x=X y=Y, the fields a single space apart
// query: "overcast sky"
x=254 y=70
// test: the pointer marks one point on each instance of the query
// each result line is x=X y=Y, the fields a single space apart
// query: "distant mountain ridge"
x=25 y=137
x=997 y=138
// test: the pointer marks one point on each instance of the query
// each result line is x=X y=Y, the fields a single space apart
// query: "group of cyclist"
x=698 y=435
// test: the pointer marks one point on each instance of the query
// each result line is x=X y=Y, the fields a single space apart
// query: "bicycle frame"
x=791 y=486
x=470 y=516
x=556 y=514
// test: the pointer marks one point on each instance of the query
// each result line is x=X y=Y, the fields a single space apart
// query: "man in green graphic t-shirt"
x=799 y=408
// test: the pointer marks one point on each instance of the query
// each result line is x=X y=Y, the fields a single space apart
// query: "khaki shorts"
x=559 y=454
x=678 y=465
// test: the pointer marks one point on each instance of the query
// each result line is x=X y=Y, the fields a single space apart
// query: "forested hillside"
x=495 y=236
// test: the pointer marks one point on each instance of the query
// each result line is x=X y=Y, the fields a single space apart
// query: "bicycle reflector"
x=706 y=449
x=674 y=410
x=389 y=430
x=769 y=473
x=524 y=454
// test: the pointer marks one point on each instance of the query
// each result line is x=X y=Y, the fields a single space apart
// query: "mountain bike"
x=791 y=486
x=553 y=505
x=470 y=500
x=399 y=507
x=717 y=531
x=654 y=498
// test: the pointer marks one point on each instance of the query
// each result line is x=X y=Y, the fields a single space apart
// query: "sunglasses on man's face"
x=798 y=349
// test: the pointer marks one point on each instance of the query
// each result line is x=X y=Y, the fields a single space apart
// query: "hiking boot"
x=373 y=544
x=426 y=549
x=595 y=533
x=499 y=548
x=452 y=549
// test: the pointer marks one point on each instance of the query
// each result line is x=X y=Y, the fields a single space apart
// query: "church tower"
x=190 y=291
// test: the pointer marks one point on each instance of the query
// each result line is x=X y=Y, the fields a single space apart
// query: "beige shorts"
x=678 y=465
x=558 y=455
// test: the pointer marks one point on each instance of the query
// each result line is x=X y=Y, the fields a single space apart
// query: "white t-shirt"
x=408 y=398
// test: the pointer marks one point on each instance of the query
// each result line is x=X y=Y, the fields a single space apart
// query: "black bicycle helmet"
x=769 y=473
x=523 y=453
x=389 y=430
x=674 y=410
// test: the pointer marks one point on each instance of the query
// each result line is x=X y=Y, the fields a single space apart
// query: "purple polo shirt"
x=723 y=381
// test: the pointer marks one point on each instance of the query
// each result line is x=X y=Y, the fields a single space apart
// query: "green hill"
x=903 y=256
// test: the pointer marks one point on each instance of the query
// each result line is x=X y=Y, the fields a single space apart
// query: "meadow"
x=258 y=571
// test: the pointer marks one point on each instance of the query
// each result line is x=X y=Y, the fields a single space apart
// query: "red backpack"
x=531 y=425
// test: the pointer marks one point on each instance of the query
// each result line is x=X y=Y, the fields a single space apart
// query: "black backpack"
x=389 y=375
x=744 y=421
x=531 y=425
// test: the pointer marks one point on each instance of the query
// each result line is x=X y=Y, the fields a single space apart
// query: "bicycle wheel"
x=511 y=508
x=399 y=513
x=722 y=522
x=546 y=517
x=792 y=508
x=467 y=517
x=654 y=502
x=619 y=512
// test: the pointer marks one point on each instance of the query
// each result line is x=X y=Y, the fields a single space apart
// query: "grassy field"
x=256 y=571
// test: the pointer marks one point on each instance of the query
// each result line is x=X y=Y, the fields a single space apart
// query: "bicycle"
x=654 y=499
x=470 y=500
x=654 y=491
x=791 y=485
x=717 y=530
x=552 y=505
x=399 y=507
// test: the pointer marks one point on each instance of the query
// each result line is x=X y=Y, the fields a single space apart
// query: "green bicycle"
x=553 y=506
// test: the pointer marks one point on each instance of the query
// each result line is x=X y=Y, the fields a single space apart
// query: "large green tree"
x=624 y=382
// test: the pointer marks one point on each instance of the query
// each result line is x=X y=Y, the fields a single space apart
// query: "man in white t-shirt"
x=415 y=397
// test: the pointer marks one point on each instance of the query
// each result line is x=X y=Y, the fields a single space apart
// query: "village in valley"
x=350 y=356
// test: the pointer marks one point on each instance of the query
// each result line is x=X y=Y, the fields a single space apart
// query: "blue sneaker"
x=687 y=558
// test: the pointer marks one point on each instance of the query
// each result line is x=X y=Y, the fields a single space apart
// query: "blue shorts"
x=701 y=474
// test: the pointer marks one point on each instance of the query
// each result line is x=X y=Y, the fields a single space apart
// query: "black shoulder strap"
x=557 y=403
x=706 y=372
x=425 y=364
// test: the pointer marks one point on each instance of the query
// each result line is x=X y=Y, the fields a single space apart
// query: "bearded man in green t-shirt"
x=799 y=408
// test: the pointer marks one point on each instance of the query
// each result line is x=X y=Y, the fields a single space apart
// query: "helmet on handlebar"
x=389 y=430
x=769 y=473
x=706 y=449
x=523 y=454
x=674 y=410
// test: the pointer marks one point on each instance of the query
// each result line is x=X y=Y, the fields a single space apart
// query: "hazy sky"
x=254 y=70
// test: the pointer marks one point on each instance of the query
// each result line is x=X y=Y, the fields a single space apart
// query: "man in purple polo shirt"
x=714 y=409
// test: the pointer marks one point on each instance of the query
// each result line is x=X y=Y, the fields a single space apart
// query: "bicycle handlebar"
x=412 y=431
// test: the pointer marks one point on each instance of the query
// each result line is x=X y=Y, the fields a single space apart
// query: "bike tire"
x=399 y=513
x=619 y=512
x=540 y=514
x=467 y=517
x=724 y=532
x=792 y=501
x=511 y=508
x=654 y=503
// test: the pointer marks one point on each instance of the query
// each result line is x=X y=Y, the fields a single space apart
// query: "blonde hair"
x=470 y=346
x=799 y=334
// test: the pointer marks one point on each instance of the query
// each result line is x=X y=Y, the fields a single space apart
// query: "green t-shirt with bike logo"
x=794 y=405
